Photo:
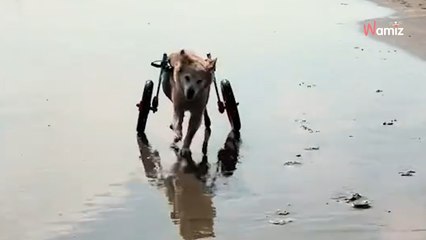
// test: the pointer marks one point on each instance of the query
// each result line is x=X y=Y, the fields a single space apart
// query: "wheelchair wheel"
x=230 y=105
x=144 y=106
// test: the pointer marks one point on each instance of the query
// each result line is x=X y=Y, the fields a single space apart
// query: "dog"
x=187 y=85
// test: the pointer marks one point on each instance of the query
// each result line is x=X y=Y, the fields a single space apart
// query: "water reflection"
x=228 y=155
x=190 y=186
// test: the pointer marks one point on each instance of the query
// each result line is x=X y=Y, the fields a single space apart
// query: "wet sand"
x=72 y=167
x=411 y=14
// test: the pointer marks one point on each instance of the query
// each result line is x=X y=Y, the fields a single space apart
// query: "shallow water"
x=71 y=72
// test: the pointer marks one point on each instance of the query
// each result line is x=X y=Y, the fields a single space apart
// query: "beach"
x=411 y=15
x=326 y=113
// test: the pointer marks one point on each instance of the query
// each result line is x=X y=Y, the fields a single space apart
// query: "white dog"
x=188 y=87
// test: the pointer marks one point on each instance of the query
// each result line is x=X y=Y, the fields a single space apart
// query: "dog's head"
x=192 y=73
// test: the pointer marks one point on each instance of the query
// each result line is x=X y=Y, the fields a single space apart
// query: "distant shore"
x=411 y=15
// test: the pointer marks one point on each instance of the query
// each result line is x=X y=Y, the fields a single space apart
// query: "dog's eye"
x=187 y=78
x=199 y=81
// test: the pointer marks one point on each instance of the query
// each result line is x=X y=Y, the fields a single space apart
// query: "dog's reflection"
x=190 y=185
x=192 y=206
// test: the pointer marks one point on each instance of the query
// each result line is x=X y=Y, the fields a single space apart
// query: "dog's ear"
x=174 y=60
x=211 y=64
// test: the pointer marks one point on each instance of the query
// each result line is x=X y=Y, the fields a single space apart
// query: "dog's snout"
x=190 y=93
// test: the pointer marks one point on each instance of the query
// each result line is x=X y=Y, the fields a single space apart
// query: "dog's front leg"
x=193 y=125
x=177 y=124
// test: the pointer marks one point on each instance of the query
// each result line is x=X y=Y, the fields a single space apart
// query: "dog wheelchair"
x=228 y=104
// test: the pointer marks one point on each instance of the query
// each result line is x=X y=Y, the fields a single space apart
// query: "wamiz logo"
x=395 y=30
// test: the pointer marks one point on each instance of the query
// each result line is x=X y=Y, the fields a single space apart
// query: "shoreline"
x=411 y=15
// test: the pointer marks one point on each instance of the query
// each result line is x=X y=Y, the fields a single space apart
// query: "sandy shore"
x=312 y=123
x=411 y=15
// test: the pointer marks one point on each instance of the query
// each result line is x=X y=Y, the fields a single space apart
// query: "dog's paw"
x=185 y=152
x=177 y=138
x=174 y=147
